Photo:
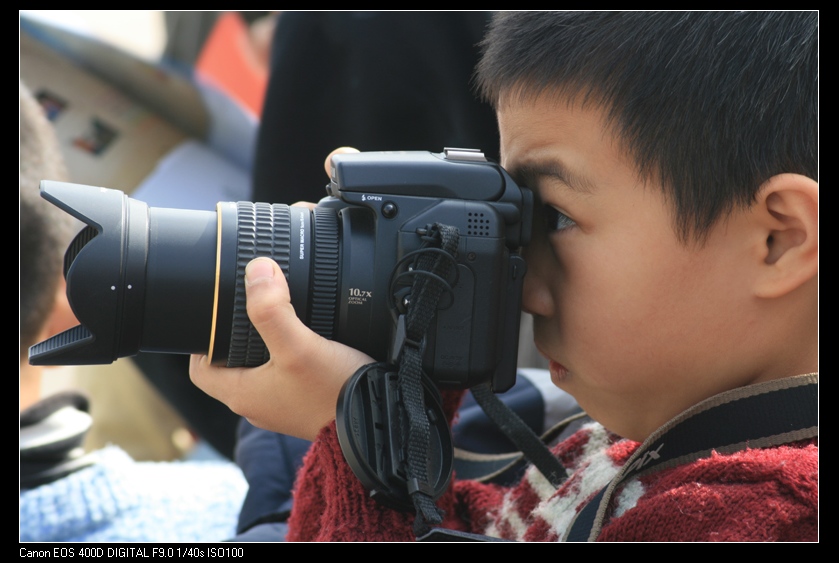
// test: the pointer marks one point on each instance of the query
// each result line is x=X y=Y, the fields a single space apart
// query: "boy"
x=675 y=155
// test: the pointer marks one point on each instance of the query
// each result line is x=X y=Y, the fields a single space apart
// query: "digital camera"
x=150 y=279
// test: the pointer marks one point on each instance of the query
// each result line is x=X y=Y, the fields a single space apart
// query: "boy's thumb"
x=268 y=301
x=270 y=310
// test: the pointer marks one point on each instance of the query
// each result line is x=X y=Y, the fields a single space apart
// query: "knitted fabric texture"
x=119 y=499
x=753 y=495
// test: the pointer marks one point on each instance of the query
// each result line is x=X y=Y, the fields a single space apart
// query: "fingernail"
x=258 y=270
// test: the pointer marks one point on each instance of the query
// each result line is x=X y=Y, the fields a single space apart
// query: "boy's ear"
x=787 y=212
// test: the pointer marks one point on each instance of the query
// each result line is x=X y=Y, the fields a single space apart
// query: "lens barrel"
x=272 y=230
x=153 y=279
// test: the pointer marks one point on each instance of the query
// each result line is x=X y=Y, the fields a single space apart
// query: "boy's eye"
x=557 y=220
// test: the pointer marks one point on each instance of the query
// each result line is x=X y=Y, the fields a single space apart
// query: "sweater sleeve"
x=330 y=504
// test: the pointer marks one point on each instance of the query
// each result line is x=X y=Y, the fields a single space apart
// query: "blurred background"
x=126 y=409
x=142 y=32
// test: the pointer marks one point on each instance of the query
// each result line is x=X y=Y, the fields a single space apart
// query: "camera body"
x=162 y=280
x=474 y=335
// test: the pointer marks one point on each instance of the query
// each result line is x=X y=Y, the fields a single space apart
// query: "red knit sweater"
x=753 y=495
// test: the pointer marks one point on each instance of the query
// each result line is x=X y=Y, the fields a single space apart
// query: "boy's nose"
x=537 y=298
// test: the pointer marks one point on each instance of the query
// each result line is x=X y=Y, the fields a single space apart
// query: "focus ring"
x=262 y=230
x=325 y=273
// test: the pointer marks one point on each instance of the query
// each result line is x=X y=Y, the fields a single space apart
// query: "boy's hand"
x=297 y=390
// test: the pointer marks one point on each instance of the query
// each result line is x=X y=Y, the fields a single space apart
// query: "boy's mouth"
x=558 y=372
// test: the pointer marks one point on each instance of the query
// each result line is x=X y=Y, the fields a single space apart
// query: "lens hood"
x=127 y=293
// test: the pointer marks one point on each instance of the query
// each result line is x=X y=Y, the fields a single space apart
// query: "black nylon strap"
x=425 y=293
x=531 y=445
x=482 y=467
x=762 y=415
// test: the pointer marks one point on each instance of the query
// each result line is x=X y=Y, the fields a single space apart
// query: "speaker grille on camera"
x=477 y=225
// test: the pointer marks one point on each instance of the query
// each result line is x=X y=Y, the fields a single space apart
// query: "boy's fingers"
x=327 y=164
x=289 y=341
x=306 y=204
x=295 y=392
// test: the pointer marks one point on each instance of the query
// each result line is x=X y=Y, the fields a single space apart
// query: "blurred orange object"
x=228 y=60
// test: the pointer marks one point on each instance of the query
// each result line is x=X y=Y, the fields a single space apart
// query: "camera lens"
x=152 y=279
x=276 y=230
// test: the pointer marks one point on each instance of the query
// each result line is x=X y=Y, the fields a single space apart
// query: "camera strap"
x=758 y=416
x=425 y=294
x=532 y=447
x=431 y=271
x=487 y=467
x=391 y=425
x=417 y=457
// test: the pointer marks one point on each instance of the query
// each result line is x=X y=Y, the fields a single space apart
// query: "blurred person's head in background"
x=45 y=232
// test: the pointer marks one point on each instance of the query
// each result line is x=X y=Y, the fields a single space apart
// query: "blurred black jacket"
x=370 y=80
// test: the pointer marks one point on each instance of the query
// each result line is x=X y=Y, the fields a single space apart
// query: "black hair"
x=45 y=230
x=711 y=104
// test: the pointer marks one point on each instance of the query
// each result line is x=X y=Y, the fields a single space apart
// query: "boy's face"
x=637 y=325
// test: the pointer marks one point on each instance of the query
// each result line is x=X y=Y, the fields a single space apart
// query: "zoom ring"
x=263 y=230
x=325 y=273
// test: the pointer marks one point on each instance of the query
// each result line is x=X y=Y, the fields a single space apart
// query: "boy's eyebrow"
x=528 y=174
